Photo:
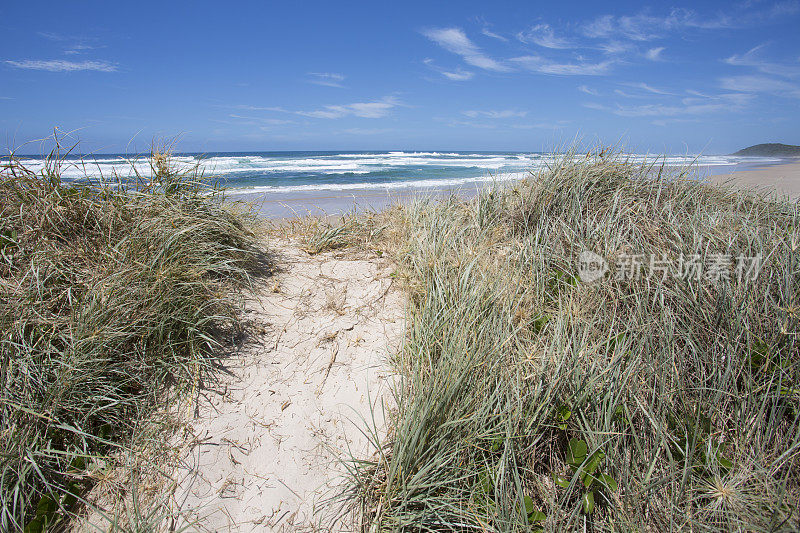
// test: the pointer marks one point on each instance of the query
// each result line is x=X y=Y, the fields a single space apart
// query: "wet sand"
x=332 y=203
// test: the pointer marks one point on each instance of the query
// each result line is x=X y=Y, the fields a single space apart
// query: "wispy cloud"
x=366 y=131
x=453 y=75
x=656 y=110
x=545 y=66
x=667 y=121
x=588 y=90
x=687 y=106
x=647 y=88
x=51 y=36
x=760 y=84
x=260 y=108
x=500 y=126
x=735 y=99
x=327 y=79
x=472 y=124
x=77 y=45
x=262 y=120
x=752 y=58
x=539 y=125
x=647 y=27
x=623 y=94
x=60 y=65
x=489 y=33
x=654 y=54
x=544 y=36
x=615 y=47
x=376 y=109
x=458 y=75
x=454 y=40
x=507 y=113
x=81 y=48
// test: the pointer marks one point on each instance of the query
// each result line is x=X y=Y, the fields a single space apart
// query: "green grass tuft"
x=534 y=400
x=114 y=297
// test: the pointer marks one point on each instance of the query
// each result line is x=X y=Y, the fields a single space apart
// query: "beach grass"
x=651 y=399
x=115 y=296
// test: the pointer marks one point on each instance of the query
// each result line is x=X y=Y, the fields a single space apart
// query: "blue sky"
x=300 y=75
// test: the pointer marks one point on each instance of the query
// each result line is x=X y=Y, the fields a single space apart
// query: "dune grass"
x=114 y=297
x=534 y=400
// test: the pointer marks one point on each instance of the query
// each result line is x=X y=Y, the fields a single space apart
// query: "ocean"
x=319 y=180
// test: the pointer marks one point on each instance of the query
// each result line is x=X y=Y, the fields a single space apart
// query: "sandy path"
x=264 y=451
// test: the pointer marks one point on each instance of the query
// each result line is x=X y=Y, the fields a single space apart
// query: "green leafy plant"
x=585 y=468
x=692 y=438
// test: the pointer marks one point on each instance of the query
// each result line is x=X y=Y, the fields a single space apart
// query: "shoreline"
x=783 y=178
x=277 y=206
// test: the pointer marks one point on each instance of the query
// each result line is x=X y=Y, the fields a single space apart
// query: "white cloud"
x=458 y=75
x=735 y=99
x=543 y=35
x=461 y=123
x=643 y=86
x=587 y=90
x=60 y=65
x=537 y=125
x=507 y=113
x=51 y=36
x=687 y=106
x=667 y=121
x=751 y=59
x=759 y=84
x=487 y=32
x=376 y=109
x=454 y=75
x=327 y=79
x=657 y=110
x=260 y=108
x=539 y=64
x=615 y=47
x=79 y=44
x=454 y=40
x=269 y=121
x=627 y=95
x=654 y=54
x=366 y=131
x=646 y=27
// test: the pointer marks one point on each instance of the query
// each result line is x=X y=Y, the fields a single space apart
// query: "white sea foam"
x=389 y=186
x=287 y=172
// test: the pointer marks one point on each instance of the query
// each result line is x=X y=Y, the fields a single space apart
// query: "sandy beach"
x=334 y=203
x=784 y=179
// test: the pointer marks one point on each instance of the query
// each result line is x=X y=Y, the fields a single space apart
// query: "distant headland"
x=770 y=150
